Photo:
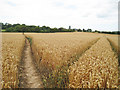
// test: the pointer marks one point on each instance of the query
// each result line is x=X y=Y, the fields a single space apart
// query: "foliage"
x=26 y=28
x=45 y=29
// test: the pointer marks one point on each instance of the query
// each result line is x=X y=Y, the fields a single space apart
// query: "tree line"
x=46 y=29
x=31 y=28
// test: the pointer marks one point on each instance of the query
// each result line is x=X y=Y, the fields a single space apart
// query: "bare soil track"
x=29 y=75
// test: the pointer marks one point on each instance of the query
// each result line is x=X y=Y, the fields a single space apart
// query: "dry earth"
x=29 y=76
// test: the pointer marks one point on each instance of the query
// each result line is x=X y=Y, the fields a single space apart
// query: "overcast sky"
x=95 y=14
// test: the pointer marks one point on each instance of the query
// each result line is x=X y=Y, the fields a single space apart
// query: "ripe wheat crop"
x=12 y=46
x=77 y=60
x=97 y=67
x=53 y=52
x=115 y=42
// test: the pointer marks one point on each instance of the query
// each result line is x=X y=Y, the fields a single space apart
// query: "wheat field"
x=65 y=60
x=97 y=67
x=59 y=47
x=12 y=46
x=114 y=39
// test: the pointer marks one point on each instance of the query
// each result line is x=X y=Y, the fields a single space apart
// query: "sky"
x=99 y=15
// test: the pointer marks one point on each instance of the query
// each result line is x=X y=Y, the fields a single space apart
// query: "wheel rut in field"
x=79 y=55
x=29 y=75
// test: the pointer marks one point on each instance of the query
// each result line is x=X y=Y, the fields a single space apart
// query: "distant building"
x=76 y=29
x=69 y=27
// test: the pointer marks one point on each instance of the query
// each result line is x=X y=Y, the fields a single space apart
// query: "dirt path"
x=29 y=76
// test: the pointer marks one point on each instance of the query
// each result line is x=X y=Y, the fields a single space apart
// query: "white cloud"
x=94 y=14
